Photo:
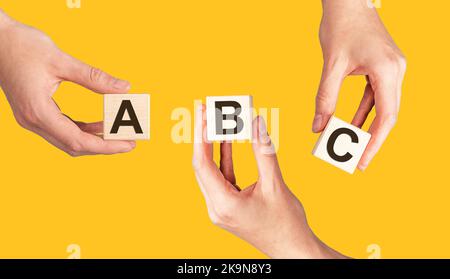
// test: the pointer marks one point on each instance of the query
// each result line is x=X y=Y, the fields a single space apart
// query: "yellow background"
x=146 y=204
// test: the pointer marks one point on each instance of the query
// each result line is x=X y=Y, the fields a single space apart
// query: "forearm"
x=3 y=17
x=345 y=17
x=336 y=4
x=344 y=8
x=5 y=20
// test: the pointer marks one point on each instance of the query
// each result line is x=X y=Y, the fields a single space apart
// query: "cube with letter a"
x=126 y=117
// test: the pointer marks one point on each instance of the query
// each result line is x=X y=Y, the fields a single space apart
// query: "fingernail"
x=362 y=167
x=267 y=147
x=121 y=84
x=199 y=108
x=199 y=112
x=132 y=144
x=317 y=123
x=262 y=127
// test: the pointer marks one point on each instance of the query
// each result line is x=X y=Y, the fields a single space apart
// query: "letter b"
x=229 y=118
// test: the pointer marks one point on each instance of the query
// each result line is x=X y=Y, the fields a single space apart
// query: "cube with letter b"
x=229 y=118
x=126 y=117
x=342 y=145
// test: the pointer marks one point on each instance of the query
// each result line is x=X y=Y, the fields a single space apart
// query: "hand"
x=266 y=214
x=31 y=69
x=355 y=42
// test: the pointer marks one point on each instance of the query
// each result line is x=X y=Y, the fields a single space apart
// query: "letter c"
x=332 y=140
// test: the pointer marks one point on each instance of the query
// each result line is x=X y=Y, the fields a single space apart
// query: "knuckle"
x=393 y=64
x=222 y=218
x=22 y=122
x=95 y=74
x=198 y=162
x=335 y=61
x=403 y=63
x=322 y=97
x=214 y=219
x=388 y=67
x=389 y=119
x=74 y=149
x=323 y=102
x=195 y=163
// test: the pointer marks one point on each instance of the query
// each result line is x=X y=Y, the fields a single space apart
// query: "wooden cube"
x=126 y=117
x=341 y=145
x=229 y=118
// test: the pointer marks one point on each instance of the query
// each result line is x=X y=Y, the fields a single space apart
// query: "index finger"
x=213 y=183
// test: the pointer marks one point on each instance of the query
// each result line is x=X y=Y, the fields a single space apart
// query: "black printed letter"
x=126 y=106
x=332 y=141
x=220 y=117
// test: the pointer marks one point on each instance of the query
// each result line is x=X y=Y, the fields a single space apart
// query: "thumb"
x=92 y=78
x=264 y=150
x=327 y=95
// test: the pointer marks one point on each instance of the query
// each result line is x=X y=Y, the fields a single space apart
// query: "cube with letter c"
x=341 y=144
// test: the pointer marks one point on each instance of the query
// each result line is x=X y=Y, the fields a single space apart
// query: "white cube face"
x=126 y=117
x=342 y=145
x=229 y=118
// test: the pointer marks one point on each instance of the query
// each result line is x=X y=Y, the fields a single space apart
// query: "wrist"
x=314 y=248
